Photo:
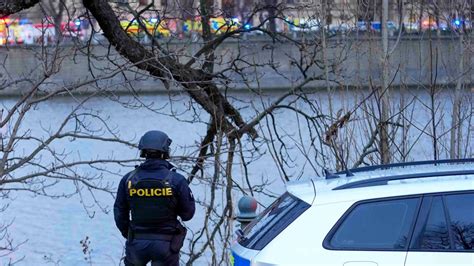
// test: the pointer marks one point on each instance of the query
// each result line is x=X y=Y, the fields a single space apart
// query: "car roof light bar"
x=393 y=165
x=384 y=180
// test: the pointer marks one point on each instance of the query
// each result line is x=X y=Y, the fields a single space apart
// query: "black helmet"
x=154 y=141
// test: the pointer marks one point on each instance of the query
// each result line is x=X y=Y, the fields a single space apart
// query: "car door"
x=373 y=233
x=444 y=233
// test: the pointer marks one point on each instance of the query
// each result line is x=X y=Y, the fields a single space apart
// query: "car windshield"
x=272 y=221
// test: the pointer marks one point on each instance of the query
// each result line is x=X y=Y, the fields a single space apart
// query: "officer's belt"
x=151 y=236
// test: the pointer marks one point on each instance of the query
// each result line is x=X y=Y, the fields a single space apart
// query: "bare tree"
x=34 y=160
x=315 y=121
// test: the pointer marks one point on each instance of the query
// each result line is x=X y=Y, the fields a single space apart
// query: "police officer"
x=155 y=195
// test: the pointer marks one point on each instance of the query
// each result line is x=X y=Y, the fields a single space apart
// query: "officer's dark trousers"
x=139 y=252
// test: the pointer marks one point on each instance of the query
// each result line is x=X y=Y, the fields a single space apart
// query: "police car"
x=418 y=213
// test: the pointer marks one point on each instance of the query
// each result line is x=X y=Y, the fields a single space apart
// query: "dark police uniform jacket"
x=173 y=198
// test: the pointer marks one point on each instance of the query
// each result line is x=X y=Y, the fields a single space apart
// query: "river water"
x=52 y=228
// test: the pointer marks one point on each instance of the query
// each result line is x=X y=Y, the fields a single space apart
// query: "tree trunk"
x=454 y=141
x=384 y=97
x=325 y=56
x=271 y=15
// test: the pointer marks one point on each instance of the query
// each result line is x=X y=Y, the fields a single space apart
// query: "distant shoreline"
x=269 y=90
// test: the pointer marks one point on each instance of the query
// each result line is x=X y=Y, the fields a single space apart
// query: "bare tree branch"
x=8 y=7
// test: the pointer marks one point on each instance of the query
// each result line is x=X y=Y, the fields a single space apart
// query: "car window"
x=461 y=213
x=272 y=221
x=376 y=225
x=435 y=234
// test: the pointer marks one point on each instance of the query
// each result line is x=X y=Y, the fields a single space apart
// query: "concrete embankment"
x=353 y=63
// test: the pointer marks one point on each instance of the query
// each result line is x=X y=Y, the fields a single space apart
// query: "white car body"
x=305 y=240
